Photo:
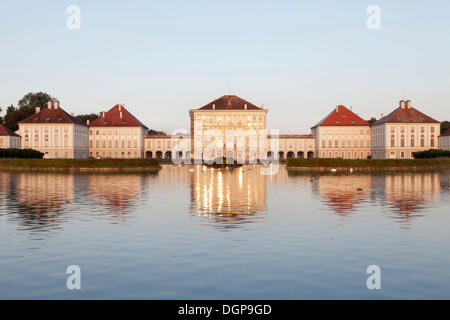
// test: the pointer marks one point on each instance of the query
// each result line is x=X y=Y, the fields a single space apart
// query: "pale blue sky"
x=298 y=58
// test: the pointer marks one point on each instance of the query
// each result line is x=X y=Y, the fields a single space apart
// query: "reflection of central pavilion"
x=231 y=197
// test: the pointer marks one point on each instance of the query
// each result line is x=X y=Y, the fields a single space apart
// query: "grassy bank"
x=117 y=164
x=376 y=164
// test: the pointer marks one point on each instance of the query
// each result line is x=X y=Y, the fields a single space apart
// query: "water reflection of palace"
x=42 y=196
x=406 y=194
x=403 y=194
x=117 y=192
x=344 y=193
x=230 y=197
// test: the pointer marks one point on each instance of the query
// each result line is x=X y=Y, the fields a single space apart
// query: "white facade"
x=211 y=131
x=55 y=133
x=116 y=142
x=291 y=146
x=179 y=147
x=347 y=142
x=66 y=141
x=444 y=142
x=400 y=140
x=10 y=142
x=168 y=147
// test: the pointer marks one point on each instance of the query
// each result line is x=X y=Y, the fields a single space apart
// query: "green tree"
x=26 y=107
x=1 y=118
x=31 y=100
x=372 y=120
x=445 y=126
x=91 y=117
x=154 y=132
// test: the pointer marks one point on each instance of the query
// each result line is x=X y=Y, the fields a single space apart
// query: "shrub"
x=431 y=154
x=21 y=154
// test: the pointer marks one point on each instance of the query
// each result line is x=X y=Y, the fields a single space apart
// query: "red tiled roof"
x=4 y=131
x=446 y=133
x=230 y=102
x=52 y=116
x=341 y=116
x=112 y=119
x=406 y=115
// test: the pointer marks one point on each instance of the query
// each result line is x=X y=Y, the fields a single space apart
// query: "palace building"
x=228 y=127
x=55 y=133
x=8 y=138
x=404 y=131
x=342 y=134
x=117 y=134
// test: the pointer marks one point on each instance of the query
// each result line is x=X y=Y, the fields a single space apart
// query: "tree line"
x=27 y=107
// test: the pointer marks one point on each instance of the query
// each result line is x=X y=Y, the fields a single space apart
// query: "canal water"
x=189 y=232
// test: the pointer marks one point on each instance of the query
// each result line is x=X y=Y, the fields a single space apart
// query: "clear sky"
x=161 y=58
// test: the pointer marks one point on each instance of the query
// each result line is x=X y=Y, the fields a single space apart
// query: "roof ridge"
x=7 y=130
x=406 y=115
x=112 y=113
x=226 y=102
x=335 y=117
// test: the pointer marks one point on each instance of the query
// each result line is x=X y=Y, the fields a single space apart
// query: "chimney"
x=337 y=108
x=103 y=114
x=214 y=106
x=408 y=104
x=402 y=104
x=49 y=104
x=120 y=107
x=56 y=104
x=245 y=106
x=88 y=122
x=38 y=109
